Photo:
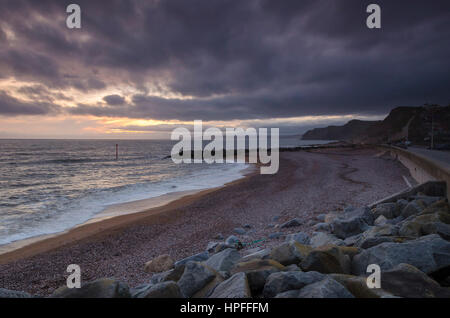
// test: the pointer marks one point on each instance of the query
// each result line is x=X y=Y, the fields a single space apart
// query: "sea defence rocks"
x=284 y=281
x=167 y=289
x=407 y=238
x=6 y=293
x=234 y=287
x=299 y=237
x=429 y=254
x=194 y=278
x=223 y=261
x=161 y=263
x=291 y=223
x=101 y=288
x=326 y=288
x=194 y=258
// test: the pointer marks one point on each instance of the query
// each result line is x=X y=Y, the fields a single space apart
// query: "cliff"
x=402 y=123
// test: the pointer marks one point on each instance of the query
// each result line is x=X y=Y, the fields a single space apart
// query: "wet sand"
x=308 y=183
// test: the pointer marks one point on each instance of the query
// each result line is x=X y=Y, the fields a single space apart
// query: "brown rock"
x=159 y=264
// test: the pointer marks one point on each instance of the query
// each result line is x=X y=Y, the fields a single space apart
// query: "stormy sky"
x=139 y=68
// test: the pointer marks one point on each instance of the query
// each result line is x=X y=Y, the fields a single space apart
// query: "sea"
x=49 y=186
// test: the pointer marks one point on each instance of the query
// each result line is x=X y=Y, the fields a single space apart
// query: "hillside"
x=402 y=123
x=346 y=132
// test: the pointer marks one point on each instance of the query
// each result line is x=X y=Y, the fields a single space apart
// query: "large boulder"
x=232 y=240
x=291 y=223
x=429 y=254
x=257 y=271
x=322 y=227
x=223 y=261
x=289 y=253
x=283 y=281
x=7 y=293
x=381 y=220
x=170 y=275
x=407 y=281
x=326 y=288
x=321 y=238
x=194 y=278
x=161 y=290
x=300 y=237
x=100 y=288
x=357 y=285
x=327 y=259
x=203 y=256
x=234 y=287
x=159 y=264
x=412 y=208
x=261 y=254
x=387 y=210
x=239 y=230
x=352 y=223
x=442 y=229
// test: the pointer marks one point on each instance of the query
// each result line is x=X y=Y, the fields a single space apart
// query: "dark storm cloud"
x=10 y=106
x=114 y=100
x=234 y=59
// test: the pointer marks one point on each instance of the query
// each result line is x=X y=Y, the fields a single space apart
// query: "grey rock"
x=322 y=227
x=262 y=254
x=388 y=210
x=429 y=254
x=381 y=220
x=203 y=256
x=374 y=241
x=428 y=200
x=276 y=235
x=232 y=240
x=353 y=240
x=100 y=288
x=275 y=218
x=194 y=278
x=288 y=294
x=291 y=223
x=168 y=289
x=289 y=253
x=292 y=268
x=219 y=237
x=223 y=261
x=321 y=238
x=442 y=229
x=7 y=293
x=257 y=271
x=222 y=246
x=234 y=287
x=171 y=275
x=326 y=288
x=210 y=248
x=283 y=281
x=321 y=217
x=407 y=281
x=299 y=237
x=239 y=230
x=344 y=228
x=412 y=208
x=327 y=260
x=401 y=204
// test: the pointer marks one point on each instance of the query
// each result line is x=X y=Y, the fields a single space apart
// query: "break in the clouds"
x=221 y=59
